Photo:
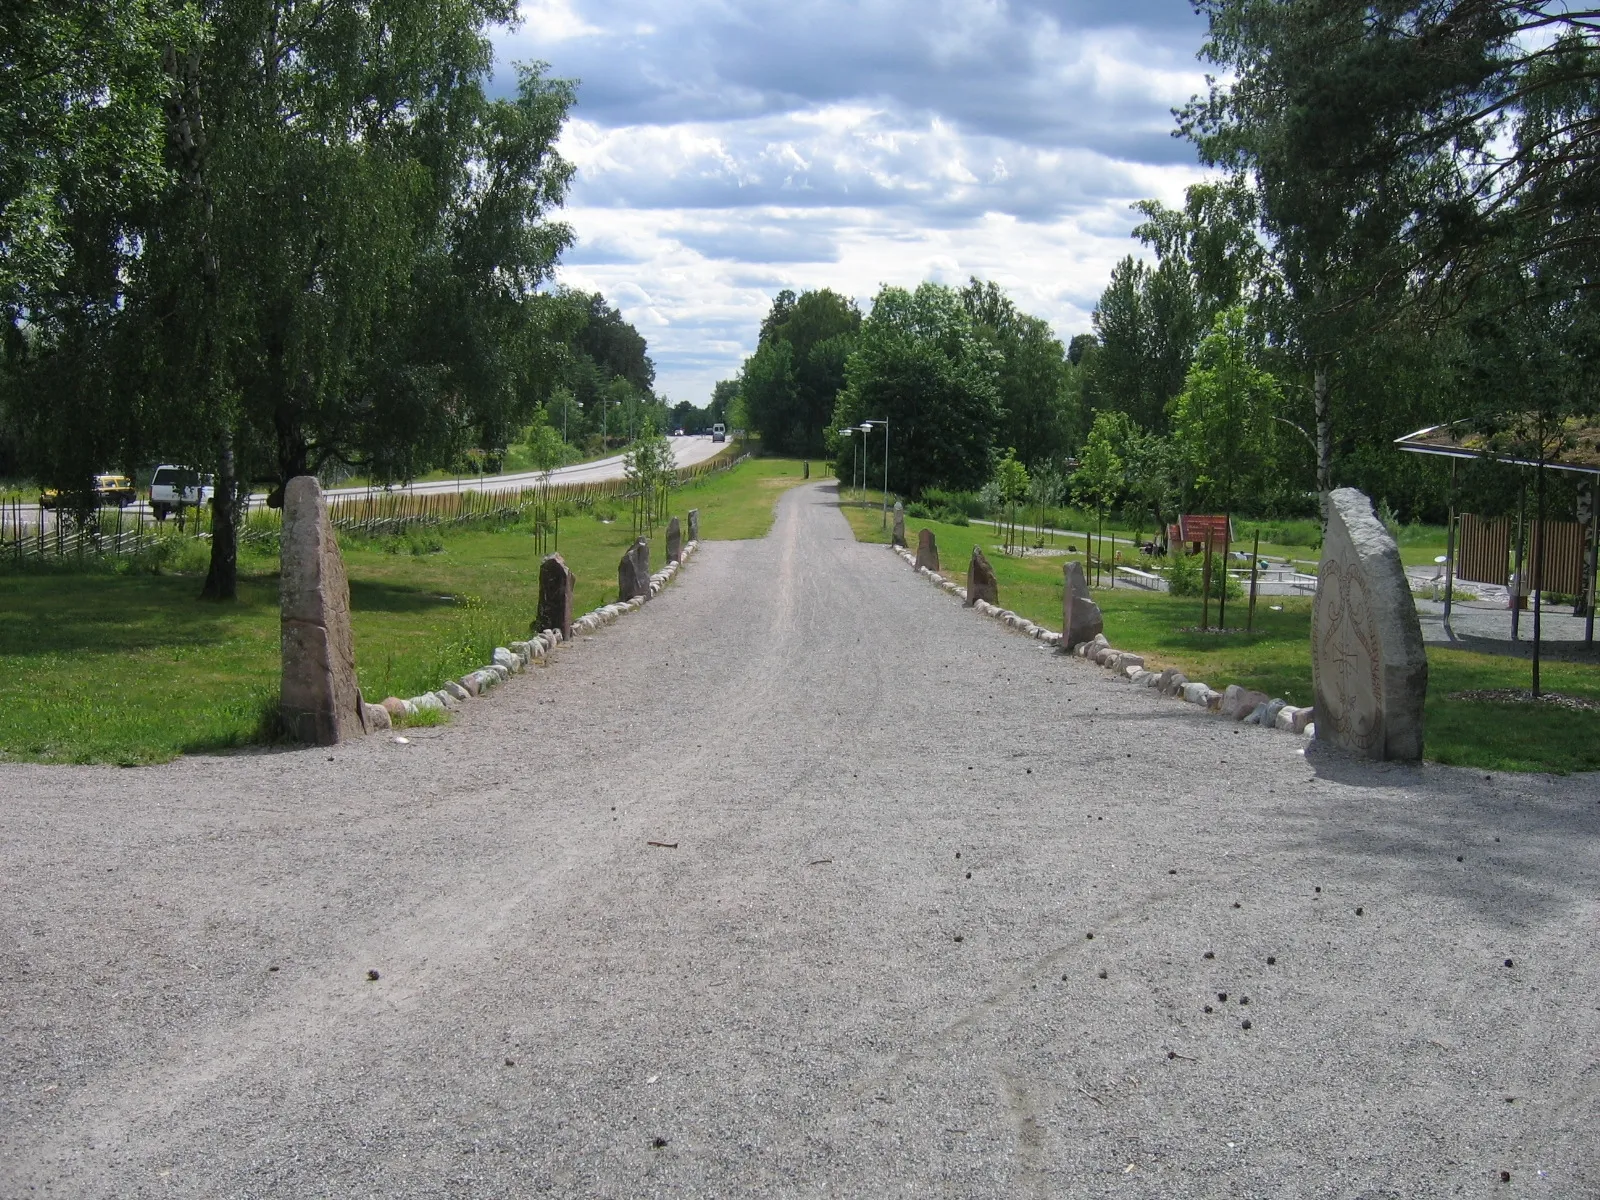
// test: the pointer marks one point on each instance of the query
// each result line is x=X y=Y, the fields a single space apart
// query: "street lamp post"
x=866 y=428
x=854 y=457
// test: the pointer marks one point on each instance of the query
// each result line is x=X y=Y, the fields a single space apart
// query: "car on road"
x=719 y=432
x=173 y=487
x=677 y=433
x=113 y=489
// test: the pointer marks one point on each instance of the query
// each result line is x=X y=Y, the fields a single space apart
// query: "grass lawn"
x=1276 y=658
x=102 y=665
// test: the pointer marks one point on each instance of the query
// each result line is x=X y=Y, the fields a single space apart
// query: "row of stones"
x=1004 y=615
x=518 y=656
x=1234 y=702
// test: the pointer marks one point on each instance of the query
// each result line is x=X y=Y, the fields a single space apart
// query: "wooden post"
x=1516 y=577
x=1205 y=582
x=1222 y=601
x=1594 y=557
x=1255 y=557
x=1450 y=547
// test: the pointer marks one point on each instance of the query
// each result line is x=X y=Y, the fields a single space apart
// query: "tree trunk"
x=222 y=580
x=1319 y=393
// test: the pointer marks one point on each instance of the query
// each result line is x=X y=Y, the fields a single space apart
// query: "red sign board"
x=1216 y=529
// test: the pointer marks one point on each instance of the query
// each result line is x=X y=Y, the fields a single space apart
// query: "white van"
x=719 y=432
x=173 y=487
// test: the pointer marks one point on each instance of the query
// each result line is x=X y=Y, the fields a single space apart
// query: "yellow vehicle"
x=108 y=490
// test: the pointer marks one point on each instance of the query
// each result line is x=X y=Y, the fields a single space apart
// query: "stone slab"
x=1369 y=668
x=927 y=551
x=674 y=540
x=899 y=536
x=1081 y=620
x=319 y=701
x=555 y=595
x=981 y=583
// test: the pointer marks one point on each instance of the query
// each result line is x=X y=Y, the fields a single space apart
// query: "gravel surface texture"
x=945 y=917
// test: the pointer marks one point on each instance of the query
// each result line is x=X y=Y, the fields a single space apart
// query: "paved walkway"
x=866 y=968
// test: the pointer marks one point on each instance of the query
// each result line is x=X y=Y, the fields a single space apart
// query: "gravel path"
x=808 y=995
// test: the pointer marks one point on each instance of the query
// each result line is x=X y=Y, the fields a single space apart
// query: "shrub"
x=968 y=504
x=1186 y=575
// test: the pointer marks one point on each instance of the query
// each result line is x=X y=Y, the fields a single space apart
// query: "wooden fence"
x=112 y=532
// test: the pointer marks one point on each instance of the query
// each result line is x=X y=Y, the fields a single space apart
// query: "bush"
x=968 y=504
x=1186 y=576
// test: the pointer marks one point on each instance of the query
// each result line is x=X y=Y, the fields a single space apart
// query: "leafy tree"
x=1099 y=479
x=1223 y=422
x=790 y=384
x=921 y=364
x=1038 y=414
x=1011 y=484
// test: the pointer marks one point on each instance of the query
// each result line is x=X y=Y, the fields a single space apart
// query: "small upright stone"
x=694 y=524
x=1080 y=616
x=319 y=701
x=633 y=571
x=1369 y=669
x=927 y=551
x=674 y=540
x=555 y=596
x=899 y=524
x=981 y=583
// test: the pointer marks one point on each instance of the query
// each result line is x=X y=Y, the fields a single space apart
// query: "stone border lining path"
x=1235 y=702
x=515 y=658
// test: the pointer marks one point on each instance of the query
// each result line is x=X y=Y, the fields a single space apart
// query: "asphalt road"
x=687 y=452
x=863 y=966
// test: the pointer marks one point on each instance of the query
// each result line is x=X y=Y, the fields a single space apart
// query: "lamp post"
x=854 y=457
x=866 y=428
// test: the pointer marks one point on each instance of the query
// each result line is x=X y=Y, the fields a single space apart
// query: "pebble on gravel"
x=372 y=976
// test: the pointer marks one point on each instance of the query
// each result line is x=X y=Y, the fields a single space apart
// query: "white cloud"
x=726 y=151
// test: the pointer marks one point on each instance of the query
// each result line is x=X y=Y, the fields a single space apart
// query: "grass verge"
x=100 y=663
x=1276 y=657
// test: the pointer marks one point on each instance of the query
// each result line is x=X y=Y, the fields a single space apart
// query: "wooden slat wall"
x=1485 y=550
x=1562 y=565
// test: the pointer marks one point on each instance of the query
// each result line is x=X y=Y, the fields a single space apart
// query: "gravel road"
x=943 y=918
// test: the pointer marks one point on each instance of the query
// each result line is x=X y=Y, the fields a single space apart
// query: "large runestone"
x=1368 y=662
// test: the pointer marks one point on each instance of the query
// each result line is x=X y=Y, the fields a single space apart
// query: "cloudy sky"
x=730 y=148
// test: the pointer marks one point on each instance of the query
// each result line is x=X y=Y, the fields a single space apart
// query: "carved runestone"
x=694 y=524
x=674 y=540
x=927 y=550
x=1080 y=616
x=981 y=583
x=555 y=596
x=1368 y=664
x=318 y=698
x=899 y=524
x=633 y=571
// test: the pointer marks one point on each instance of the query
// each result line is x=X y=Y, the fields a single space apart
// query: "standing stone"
x=1080 y=616
x=633 y=571
x=1368 y=665
x=674 y=540
x=318 y=698
x=899 y=524
x=555 y=596
x=694 y=524
x=981 y=583
x=807 y=474
x=927 y=550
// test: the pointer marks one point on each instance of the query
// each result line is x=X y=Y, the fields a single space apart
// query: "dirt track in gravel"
x=809 y=994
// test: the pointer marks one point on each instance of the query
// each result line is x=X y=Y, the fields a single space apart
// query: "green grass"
x=1276 y=657
x=102 y=664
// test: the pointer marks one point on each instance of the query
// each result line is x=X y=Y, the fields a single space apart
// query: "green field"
x=107 y=664
x=1276 y=657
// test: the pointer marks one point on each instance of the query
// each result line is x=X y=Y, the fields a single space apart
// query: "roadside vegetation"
x=120 y=661
x=1276 y=657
